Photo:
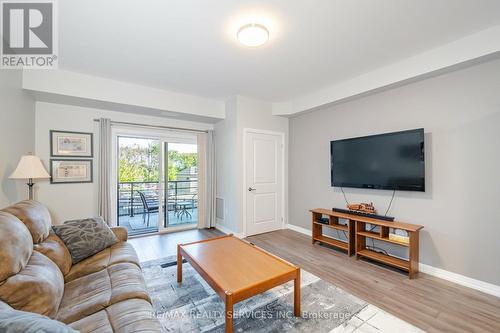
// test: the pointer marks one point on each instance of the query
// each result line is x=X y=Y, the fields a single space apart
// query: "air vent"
x=219 y=208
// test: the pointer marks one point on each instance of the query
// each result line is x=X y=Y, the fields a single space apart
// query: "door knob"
x=251 y=189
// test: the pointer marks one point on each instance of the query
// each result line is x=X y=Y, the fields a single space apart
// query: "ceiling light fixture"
x=253 y=35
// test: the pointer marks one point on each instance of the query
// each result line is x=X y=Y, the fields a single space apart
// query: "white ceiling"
x=188 y=46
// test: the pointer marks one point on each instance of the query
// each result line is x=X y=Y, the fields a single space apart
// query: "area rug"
x=195 y=307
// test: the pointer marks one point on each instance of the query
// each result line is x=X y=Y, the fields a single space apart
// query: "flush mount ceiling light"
x=253 y=35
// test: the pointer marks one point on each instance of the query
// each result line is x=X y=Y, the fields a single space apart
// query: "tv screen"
x=392 y=161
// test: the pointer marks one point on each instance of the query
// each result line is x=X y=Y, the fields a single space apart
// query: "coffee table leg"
x=296 y=294
x=179 y=264
x=229 y=312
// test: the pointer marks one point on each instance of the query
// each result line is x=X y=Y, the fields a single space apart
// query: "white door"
x=264 y=181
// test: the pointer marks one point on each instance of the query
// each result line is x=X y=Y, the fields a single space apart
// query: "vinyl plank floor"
x=160 y=246
x=430 y=303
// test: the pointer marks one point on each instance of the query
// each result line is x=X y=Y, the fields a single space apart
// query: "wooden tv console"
x=357 y=233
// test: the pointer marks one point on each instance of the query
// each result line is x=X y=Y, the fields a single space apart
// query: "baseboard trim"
x=299 y=229
x=228 y=231
x=462 y=280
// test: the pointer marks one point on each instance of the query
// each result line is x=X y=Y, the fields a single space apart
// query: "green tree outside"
x=141 y=163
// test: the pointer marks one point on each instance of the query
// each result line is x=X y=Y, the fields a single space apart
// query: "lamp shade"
x=29 y=166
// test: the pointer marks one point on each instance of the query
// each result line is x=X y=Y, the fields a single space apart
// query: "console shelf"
x=332 y=242
x=334 y=226
x=333 y=223
x=375 y=235
x=385 y=259
x=357 y=234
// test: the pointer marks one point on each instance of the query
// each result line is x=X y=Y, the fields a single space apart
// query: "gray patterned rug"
x=194 y=307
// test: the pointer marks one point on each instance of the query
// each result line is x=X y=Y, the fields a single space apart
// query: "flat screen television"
x=391 y=161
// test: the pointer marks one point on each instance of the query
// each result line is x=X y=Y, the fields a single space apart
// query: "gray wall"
x=17 y=134
x=74 y=201
x=226 y=152
x=460 y=210
x=241 y=112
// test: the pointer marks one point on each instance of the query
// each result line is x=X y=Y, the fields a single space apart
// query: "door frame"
x=246 y=131
x=146 y=133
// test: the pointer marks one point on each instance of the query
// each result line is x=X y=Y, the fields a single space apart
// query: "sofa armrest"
x=121 y=233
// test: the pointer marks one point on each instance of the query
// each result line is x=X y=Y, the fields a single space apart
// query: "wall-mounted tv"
x=391 y=161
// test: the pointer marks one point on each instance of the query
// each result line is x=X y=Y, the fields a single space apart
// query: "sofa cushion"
x=35 y=216
x=38 y=287
x=16 y=245
x=121 y=233
x=14 y=321
x=85 y=237
x=118 y=253
x=135 y=315
x=53 y=247
x=92 y=293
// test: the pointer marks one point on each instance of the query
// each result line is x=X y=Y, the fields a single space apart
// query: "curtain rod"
x=156 y=126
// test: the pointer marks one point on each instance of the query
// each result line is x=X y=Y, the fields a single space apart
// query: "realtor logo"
x=28 y=34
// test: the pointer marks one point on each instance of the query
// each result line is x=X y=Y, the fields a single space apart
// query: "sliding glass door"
x=139 y=185
x=181 y=197
x=157 y=182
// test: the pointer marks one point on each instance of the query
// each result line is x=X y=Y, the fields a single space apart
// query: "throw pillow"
x=14 y=321
x=85 y=237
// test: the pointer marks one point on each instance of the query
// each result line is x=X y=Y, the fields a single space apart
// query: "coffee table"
x=237 y=270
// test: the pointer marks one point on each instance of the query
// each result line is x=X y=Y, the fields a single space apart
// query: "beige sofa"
x=103 y=293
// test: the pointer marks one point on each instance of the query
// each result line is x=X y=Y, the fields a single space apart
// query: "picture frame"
x=71 y=171
x=71 y=144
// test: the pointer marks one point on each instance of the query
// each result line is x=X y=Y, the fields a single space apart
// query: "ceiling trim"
x=476 y=47
x=93 y=88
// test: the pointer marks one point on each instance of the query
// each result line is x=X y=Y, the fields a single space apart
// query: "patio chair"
x=149 y=206
x=194 y=200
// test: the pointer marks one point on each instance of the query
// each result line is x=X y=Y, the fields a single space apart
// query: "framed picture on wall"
x=71 y=144
x=70 y=171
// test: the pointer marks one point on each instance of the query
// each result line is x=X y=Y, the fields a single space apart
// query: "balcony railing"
x=180 y=194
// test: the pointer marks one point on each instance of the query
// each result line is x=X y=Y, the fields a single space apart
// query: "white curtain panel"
x=211 y=179
x=104 y=195
x=207 y=179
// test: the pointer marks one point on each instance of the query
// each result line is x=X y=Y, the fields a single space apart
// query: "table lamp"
x=30 y=167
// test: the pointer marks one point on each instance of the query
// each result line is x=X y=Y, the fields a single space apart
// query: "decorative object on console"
x=354 y=212
x=30 y=167
x=399 y=236
x=70 y=171
x=363 y=207
x=71 y=144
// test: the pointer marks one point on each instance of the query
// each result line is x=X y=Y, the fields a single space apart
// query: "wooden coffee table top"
x=238 y=270
x=235 y=265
